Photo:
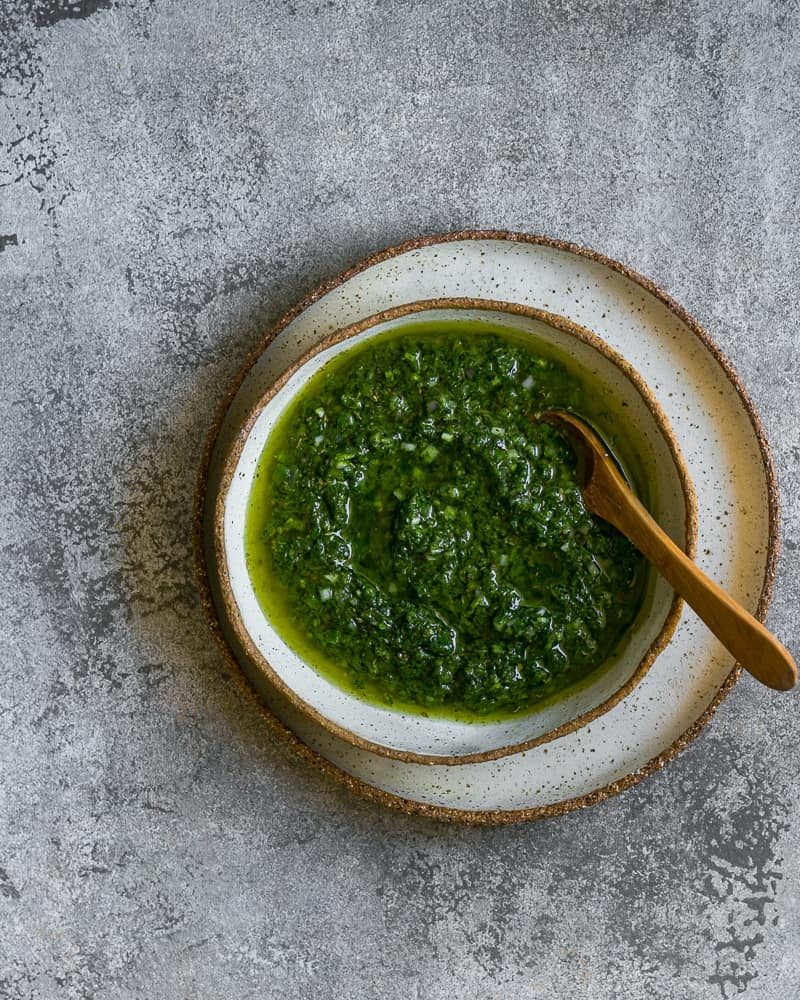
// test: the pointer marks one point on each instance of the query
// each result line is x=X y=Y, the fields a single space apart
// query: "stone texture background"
x=172 y=177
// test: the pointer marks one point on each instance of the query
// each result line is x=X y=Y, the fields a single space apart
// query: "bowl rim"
x=231 y=460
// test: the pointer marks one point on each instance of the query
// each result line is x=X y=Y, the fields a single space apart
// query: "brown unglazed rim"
x=445 y=813
x=231 y=462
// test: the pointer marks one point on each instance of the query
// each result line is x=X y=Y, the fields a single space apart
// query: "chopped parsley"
x=421 y=539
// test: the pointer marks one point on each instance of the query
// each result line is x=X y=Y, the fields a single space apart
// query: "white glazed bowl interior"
x=398 y=733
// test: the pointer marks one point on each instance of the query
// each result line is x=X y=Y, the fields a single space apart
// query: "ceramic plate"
x=726 y=454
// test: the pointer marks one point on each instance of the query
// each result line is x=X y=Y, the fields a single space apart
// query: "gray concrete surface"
x=173 y=176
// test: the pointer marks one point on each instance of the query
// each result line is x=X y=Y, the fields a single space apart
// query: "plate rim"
x=362 y=788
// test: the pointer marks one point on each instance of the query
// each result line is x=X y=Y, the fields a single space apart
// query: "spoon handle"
x=754 y=646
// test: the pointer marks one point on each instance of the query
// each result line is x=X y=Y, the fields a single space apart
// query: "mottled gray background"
x=173 y=176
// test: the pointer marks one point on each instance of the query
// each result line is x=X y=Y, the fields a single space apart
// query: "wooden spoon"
x=608 y=495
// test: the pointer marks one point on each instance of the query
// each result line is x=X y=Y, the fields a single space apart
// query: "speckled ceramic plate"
x=726 y=454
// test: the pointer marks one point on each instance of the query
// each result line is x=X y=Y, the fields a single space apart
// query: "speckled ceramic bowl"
x=414 y=737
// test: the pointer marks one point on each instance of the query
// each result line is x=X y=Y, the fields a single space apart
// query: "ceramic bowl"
x=667 y=491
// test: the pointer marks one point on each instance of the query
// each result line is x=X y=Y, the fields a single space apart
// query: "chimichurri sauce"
x=418 y=537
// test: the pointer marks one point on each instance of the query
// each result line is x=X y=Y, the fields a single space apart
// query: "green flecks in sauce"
x=417 y=536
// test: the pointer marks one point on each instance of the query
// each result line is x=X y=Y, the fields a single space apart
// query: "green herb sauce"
x=418 y=537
